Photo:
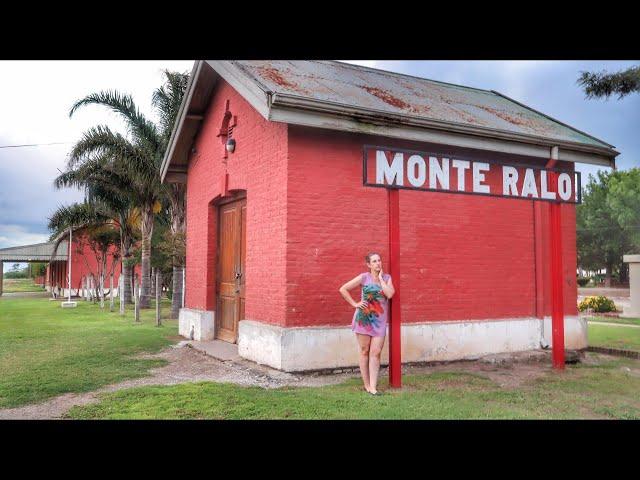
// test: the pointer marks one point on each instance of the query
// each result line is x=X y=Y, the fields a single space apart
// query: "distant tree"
x=603 y=84
x=17 y=272
x=604 y=233
x=624 y=201
x=38 y=269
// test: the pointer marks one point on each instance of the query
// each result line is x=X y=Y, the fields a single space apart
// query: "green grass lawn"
x=12 y=285
x=622 y=321
x=47 y=351
x=582 y=391
x=627 y=338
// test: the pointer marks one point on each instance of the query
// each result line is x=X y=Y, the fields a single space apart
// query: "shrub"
x=583 y=281
x=598 y=304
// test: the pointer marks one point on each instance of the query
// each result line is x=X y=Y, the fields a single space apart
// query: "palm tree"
x=167 y=100
x=109 y=194
x=138 y=157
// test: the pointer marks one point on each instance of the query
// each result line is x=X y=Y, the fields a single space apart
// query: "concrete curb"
x=615 y=351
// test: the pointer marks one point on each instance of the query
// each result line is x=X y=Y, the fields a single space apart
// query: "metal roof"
x=369 y=88
x=39 y=252
x=352 y=98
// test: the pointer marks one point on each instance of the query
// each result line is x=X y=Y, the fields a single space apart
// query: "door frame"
x=235 y=196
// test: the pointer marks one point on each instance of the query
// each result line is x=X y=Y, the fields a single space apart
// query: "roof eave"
x=283 y=104
x=182 y=112
x=298 y=110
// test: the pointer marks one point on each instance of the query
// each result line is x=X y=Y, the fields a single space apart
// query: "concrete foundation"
x=196 y=325
x=311 y=348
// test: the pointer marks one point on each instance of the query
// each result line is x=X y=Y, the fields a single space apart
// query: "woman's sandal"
x=376 y=393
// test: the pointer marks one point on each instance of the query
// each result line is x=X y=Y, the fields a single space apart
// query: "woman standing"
x=370 y=318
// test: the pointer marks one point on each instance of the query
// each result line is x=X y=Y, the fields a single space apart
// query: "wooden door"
x=232 y=241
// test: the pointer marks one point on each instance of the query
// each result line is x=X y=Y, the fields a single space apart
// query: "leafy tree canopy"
x=603 y=84
x=608 y=221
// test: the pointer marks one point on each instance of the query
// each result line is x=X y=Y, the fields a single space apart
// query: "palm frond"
x=142 y=129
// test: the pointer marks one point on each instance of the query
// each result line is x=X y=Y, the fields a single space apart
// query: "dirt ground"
x=188 y=365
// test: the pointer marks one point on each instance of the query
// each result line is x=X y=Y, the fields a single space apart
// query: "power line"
x=34 y=144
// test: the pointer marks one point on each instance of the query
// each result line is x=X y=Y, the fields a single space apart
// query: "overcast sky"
x=36 y=97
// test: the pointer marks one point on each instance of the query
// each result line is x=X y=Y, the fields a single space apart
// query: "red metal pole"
x=557 y=295
x=395 y=319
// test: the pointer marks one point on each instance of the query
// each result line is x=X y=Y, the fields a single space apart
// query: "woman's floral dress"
x=372 y=320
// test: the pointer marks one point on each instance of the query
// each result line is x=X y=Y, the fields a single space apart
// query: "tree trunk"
x=178 y=197
x=147 y=232
x=176 y=298
x=126 y=283
x=125 y=247
x=624 y=273
x=607 y=277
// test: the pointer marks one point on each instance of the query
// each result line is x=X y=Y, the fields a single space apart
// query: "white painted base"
x=196 y=324
x=69 y=304
x=311 y=348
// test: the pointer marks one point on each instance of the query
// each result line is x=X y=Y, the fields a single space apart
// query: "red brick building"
x=275 y=226
x=84 y=263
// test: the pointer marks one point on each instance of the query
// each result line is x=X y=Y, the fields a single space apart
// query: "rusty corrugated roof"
x=362 y=87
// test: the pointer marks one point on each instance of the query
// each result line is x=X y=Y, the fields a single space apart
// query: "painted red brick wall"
x=462 y=256
x=83 y=262
x=259 y=166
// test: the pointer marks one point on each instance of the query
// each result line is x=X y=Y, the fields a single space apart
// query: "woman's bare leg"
x=363 y=343
x=375 y=350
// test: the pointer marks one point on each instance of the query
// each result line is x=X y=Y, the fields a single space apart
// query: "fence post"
x=136 y=308
x=158 y=289
x=121 y=293
x=101 y=281
x=111 y=293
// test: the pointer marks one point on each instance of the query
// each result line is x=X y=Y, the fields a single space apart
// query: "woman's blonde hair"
x=367 y=258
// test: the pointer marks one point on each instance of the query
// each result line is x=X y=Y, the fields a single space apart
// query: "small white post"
x=70 y=249
x=136 y=292
x=111 y=292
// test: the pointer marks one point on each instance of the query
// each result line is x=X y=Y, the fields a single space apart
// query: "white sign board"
x=396 y=168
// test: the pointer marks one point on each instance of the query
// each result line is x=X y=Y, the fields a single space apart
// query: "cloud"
x=36 y=98
x=16 y=235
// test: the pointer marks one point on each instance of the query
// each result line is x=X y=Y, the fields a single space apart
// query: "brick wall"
x=258 y=166
x=83 y=263
x=462 y=256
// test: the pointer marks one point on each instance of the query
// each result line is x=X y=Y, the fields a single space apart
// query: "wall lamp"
x=231 y=145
